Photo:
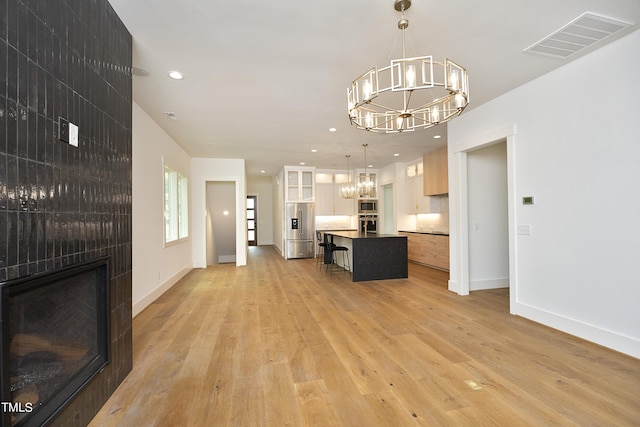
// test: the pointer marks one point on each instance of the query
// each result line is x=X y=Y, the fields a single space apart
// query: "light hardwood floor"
x=280 y=343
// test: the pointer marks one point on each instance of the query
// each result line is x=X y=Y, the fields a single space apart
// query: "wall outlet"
x=524 y=229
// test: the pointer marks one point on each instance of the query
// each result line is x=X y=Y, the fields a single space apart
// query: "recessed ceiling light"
x=332 y=129
x=396 y=155
x=302 y=163
x=314 y=151
x=176 y=75
x=437 y=136
x=263 y=171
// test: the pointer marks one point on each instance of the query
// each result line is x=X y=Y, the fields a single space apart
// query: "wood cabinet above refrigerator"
x=436 y=172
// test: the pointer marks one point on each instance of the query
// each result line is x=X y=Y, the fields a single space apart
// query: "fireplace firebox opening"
x=55 y=339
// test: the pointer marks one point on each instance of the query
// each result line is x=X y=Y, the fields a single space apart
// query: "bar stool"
x=320 y=250
x=345 y=258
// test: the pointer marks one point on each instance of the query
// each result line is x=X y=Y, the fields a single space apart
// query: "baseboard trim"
x=615 y=341
x=454 y=286
x=224 y=259
x=279 y=249
x=139 y=306
x=435 y=267
x=479 y=285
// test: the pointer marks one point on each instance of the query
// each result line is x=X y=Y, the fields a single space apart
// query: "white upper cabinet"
x=328 y=200
x=300 y=184
x=417 y=202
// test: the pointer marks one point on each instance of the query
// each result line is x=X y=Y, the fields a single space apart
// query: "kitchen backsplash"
x=435 y=222
x=423 y=222
x=336 y=222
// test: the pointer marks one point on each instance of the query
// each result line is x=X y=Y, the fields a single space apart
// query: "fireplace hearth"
x=55 y=337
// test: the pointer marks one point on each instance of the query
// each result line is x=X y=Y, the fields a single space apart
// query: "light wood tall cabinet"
x=436 y=172
x=428 y=249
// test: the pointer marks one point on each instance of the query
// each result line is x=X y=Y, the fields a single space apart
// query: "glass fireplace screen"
x=54 y=339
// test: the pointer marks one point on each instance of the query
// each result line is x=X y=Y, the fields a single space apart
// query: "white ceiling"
x=265 y=80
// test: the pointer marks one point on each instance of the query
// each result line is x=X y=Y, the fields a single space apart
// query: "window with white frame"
x=176 y=206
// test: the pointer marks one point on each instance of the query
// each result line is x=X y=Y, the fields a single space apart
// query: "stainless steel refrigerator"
x=300 y=225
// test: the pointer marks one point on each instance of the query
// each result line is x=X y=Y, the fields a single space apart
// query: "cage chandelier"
x=410 y=93
x=347 y=190
x=365 y=184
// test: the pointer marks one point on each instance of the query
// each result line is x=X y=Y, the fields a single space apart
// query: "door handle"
x=300 y=219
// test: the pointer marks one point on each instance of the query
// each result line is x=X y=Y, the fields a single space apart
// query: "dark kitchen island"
x=373 y=256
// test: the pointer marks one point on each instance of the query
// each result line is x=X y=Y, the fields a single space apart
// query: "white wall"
x=202 y=171
x=388 y=208
x=262 y=186
x=396 y=174
x=488 y=222
x=576 y=148
x=155 y=268
x=211 y=251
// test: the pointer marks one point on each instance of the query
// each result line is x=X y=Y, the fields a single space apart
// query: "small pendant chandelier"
x=347 y=190
x=365 y=184
x=410 y=93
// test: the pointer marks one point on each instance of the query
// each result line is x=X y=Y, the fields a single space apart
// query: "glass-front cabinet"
x=328 y=200
x=367 y=184
x=299 y=184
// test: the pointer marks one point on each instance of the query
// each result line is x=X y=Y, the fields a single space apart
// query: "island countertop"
x=434 y=232
x=359 y=234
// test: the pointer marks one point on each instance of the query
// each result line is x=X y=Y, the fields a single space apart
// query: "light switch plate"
x=73 y=134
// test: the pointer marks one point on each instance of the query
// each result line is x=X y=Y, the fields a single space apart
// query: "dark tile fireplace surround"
x=60 y=205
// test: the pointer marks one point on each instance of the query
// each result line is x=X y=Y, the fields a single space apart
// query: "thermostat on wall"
x=527 y=200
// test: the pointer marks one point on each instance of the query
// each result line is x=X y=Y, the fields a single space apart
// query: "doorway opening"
x=488 y=217
x=252 y=220
x=221 y=222
x=463 y=225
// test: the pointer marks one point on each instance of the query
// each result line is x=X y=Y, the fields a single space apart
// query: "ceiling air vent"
x=582 y=32
x=171 y=115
